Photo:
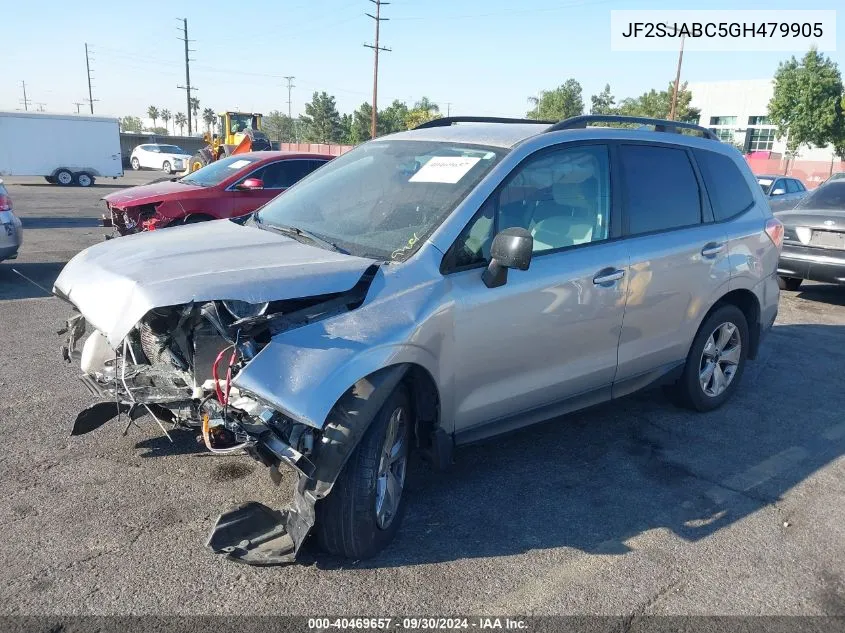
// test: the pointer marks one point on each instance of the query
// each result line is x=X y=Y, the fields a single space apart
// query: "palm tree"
x=181 y=120
x=209 y=117
x=152 y=112
x=195 y=107
x=166 y=116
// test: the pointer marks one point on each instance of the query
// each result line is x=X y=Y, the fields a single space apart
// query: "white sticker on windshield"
x=448 y=169
x=239 y=163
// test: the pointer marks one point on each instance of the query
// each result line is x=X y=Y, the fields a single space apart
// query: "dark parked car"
x=783 y=192
x=814 y=240
x=226 y=188
x=838 y=175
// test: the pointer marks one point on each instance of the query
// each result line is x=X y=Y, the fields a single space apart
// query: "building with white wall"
x=736 y=112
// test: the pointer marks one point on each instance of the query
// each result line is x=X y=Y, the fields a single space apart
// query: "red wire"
x=216 y=378
x=229 y=372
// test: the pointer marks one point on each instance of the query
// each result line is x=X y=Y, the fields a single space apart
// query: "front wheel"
x=789 y=283
x=198 y=161
x=715 y=362
x=64 y=177
x=165 y=167
x=136 y=164
x=363 y=512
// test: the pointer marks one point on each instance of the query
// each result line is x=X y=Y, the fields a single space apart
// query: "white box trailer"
x=67 y=149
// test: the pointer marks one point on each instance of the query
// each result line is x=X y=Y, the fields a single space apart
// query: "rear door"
x=678 y=259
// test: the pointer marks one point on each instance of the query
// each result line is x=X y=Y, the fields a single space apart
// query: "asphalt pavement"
x=634 y=507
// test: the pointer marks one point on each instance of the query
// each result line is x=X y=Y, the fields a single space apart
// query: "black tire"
x=198 y=161
x=346 y=521
x=167 y=167
x=135 y=163
x=50 y=179
x=789 y=283
x=64 y=177
x=84 y=179
x=688 y=391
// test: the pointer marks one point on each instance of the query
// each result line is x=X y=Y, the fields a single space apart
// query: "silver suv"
x=428 y=289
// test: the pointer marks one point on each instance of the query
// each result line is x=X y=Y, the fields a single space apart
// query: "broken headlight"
x=244 y=309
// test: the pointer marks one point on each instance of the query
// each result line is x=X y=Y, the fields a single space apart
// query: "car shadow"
x=59 y=222
x=833 y=294
x=14 y=286
x=598 y=478
x=184 y=441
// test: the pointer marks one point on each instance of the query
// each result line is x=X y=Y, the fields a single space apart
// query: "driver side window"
x=561 y=197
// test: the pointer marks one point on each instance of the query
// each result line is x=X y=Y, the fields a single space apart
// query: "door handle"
x=712 y=249
x=608 y=276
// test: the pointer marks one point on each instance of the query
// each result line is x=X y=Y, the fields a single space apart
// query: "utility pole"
x=674 y=107
x=88 y=69
x=376 y=48
x=78 y=104
x=448 y=108
x=290 y=79
x=25 y=100
x=39 y=106
x=187 y=87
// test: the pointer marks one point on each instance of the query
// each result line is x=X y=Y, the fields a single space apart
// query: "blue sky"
x=483 y=56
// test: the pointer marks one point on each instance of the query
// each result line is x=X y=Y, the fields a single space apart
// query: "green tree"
x=346 y=129
x=181 y=120
x=561 y=103
x=321 y=121
x=152 y=112
x=208 y=117
x=166 y=116
x=131 y=124
x=603 y=102
x=279 y=127
x=657 y=104
x=807 y=102
x=423 y=111
x=392 y=118
x=159 y=131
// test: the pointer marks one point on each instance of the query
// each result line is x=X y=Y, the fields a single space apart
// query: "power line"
x=187 y=87
x=24 y=101
x=91 y=98
x=376 y=48
x=290 y=79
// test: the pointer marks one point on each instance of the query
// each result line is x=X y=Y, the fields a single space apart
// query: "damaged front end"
x=178 y=364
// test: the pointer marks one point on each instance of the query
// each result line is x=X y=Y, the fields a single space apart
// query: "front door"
x=551 y=332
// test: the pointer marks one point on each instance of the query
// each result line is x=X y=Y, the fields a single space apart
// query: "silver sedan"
x=11 y=233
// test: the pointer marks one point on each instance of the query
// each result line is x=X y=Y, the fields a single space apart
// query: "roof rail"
x=449 y=120
x=660 y=125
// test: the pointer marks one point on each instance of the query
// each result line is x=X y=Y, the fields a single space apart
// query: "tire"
x=135 y=163
x=689 y=391
x=789 y=283
x=84 y=179
x=166 y=166
x=64 y=177
x=198 y=161
x=350 y=522
x=50 y=179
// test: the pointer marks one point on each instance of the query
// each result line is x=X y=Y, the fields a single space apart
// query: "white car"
x=169 y=158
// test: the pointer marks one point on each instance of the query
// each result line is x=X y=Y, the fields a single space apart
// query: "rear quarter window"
x=726 y=186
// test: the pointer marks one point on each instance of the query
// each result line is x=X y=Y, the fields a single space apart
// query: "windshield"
x=218 y=171
x=170 y=149
x=239 y=123
x=765 y=184
x=384 y=198
x=829 y=196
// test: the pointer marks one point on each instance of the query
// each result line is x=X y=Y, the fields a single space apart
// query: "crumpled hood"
x=145 y=194
x=115 y=283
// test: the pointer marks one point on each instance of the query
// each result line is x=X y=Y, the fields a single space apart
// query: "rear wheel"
x=166 y=167
x=789 y=283
x=64 y=177
x=363 y=512
x=84 y=179
x=715 y=362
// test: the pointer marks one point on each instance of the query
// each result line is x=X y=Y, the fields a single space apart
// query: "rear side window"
x=792 y=186
x=726 y=186
x=660 y=189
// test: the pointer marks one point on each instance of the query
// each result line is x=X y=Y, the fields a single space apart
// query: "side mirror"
x=778 y=192
x=511 y=248
x=251 y=184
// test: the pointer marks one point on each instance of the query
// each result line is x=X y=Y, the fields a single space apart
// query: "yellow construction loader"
x=236 y=133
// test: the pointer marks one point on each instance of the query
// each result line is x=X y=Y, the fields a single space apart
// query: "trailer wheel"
x=84 y=179
x=64 y=177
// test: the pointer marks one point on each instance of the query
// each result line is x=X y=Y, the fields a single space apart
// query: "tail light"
x=774 y=229
x=5 y=202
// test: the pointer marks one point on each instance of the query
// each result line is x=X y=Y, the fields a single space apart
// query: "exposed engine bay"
x=177 y=364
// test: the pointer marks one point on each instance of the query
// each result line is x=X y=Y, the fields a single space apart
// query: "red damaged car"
x=226 y=188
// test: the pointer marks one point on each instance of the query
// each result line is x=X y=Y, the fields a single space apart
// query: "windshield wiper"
x=296 y=232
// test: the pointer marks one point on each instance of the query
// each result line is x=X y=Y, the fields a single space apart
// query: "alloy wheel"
x=391 y=470
x=720 y=359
